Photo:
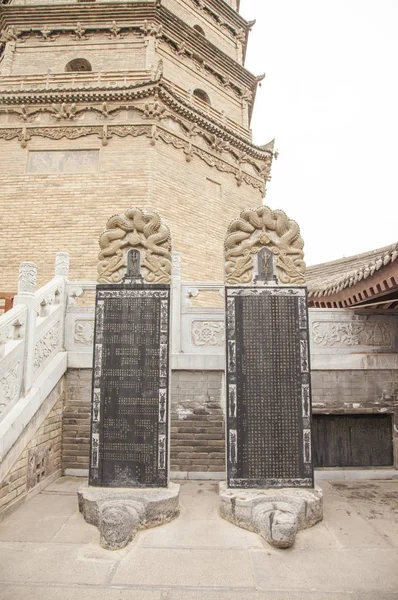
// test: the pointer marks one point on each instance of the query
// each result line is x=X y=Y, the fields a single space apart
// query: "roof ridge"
x=370 y=253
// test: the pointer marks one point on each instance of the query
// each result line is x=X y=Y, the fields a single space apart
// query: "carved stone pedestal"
x=276 y=514
x=120 y=512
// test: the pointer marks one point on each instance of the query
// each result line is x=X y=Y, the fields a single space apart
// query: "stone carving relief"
x=65 y=161
x=343 y=335
x=27 y=278
x=135 y=229
x=8 y=58
x=208 y=333
x=47 y=345
x=40 y=463
x=176 y=264
x=84 y=332
x=260 y=228
x=105 y=133
x=9 y=386
x=62 y=260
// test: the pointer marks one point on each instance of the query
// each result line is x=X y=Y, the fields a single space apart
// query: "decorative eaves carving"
x=114 y=30
x=153 y=132
x=11 y=34
x=163 y=96
x=228 y=24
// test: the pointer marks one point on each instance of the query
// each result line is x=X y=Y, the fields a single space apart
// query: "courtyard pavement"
x=48 y=552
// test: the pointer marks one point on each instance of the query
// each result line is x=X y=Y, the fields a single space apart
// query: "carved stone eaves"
x=225 y=17
x=155 y=133
x=256 y=229
x=222 y=67
x=159 y=89
x=161 y=102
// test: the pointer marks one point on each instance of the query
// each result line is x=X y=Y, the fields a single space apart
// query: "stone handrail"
x=11 y=329
x=31 y=333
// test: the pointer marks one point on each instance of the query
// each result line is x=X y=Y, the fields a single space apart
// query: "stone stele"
x=120 y=512
x=275 y=514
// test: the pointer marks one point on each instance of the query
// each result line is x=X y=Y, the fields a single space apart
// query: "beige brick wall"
x=197 y=434
x=76 y=425
x=186 y=76
x=41 y=457
x=46 y=213
x=102 y=54
x=187 y=12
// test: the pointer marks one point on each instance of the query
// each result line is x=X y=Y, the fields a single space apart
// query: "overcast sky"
x=330 y=99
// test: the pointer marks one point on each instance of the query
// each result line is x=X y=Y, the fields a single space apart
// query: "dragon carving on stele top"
x=144 y=231
x=259 y=228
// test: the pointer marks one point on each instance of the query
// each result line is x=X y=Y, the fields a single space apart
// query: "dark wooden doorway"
x=353 y=440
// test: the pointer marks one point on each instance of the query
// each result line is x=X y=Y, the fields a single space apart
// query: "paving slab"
x=216 y=567
x=65 y=485
x=376 y=502
x=48 y=552
x=375 y=596
x=76 y=531
x=53 y=563
x=39 y=520
x=18 y=592
x=365 y=569
x=349 y=527
x=253 y=595
x=199 y=534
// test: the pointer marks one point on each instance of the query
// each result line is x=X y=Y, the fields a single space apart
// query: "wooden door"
x=352 y=440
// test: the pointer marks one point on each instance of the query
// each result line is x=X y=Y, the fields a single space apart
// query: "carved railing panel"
x=12 y=347
x=346 y=332
x=198 y=328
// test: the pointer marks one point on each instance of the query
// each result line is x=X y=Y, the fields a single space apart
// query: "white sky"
x=330 y=99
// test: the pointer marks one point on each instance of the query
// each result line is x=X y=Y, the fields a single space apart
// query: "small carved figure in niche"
x=265 y=266
x=233 y=403
x=133 y=264
x=162 y=453
x=162 y=406
x=233 y=447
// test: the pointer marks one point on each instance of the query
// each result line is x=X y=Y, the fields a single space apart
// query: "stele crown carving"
x=144 y=231
x=264 y=228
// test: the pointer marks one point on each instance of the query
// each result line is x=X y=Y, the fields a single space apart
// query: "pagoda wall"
x=45 y=212
x=103 y=55
x=217 y=35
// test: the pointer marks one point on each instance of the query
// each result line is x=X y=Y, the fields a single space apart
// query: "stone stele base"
x=277 y=515
x=120 y=512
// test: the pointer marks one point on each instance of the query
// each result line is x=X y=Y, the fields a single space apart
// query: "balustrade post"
x=176 y=303
x=62 y=260
x=26 y=296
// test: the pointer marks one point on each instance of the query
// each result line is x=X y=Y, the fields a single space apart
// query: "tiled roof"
x=331 y=278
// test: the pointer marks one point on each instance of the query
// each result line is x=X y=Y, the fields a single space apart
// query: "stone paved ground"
x=47 y=552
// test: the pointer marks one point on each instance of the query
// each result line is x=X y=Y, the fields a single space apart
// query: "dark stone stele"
x=130 y=396
x=268 y=388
